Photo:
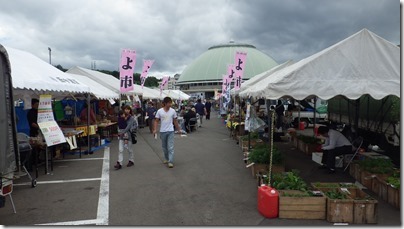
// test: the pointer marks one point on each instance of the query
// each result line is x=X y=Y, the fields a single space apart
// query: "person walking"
x=151 y=113
x=168 y=117
x=201 y=110
x=126 y=122
x=208 y=106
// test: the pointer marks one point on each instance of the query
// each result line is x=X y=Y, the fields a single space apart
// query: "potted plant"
x=372 y=167
x=339 y=207
x=308 y=144
x=254 y=140
x=393 y=189
x=295 y=200
x=260 y=156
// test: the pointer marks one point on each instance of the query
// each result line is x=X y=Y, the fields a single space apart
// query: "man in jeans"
x=201 y=110
x=167 y=116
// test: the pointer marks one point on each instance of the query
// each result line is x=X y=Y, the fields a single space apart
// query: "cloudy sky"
x=174 y=33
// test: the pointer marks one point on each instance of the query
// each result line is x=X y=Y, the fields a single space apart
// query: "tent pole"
x=88 y=123
x=314 y=116
x=357 y=104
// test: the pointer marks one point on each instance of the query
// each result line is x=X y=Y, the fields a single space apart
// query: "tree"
x=60 y=67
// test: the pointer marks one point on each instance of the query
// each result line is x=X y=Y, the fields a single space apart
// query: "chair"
x=25 y=151
x=193 y=122
x=356 y=145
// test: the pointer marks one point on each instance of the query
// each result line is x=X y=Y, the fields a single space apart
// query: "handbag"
x=133 y=137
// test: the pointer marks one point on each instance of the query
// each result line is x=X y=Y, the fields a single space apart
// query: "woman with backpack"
x=126 y=125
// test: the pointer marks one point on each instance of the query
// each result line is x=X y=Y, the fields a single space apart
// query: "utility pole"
x=50 y=55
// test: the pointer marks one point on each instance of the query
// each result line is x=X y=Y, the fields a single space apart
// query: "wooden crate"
x=393 y=196
x=259 y=168
x=379 y=186
x=366 y=179
x=364 y=208
x=355 y=171
x=330 y=186
x=340 y=211
x=311 y=207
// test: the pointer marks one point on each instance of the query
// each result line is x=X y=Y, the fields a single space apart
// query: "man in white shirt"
x=168 y=117
x=335 y=144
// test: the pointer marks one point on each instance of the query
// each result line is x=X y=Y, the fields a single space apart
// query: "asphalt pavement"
x=209 y=185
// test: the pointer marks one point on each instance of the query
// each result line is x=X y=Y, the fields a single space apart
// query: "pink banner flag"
x=146 y=67
x=239 y=69
x=224 y=84
x=164 y=82
x=126 y=69
x=230 y=72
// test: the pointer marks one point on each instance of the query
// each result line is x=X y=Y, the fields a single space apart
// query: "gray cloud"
x=176 y=32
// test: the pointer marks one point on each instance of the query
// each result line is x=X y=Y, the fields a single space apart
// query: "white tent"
x=113 y=83
x=96 y=88
x=32 y=76
x=363 y=63
x=177 y=94
x=257 y=79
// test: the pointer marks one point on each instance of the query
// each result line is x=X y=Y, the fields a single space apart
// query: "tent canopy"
x=177 y=94
x=33 y=76
x=113 y=83
x=257 y=79
x=363 y=63
x=97 y=89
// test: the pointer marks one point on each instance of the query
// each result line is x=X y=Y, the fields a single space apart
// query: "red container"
x=268 y=201
x=301 y=125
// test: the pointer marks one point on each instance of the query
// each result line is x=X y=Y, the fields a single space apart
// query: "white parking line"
x=79 y=222
x=103 y=200
x=79 y=159
x=59 y=181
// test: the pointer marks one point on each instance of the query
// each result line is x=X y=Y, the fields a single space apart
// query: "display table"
x=106 y=130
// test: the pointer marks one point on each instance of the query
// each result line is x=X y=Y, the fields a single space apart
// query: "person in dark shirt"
x=208 y=106
x=151 y=113
x=84 y=115
x=32 y=117
x=190 y=114
x=201 y=110
x=280 y=109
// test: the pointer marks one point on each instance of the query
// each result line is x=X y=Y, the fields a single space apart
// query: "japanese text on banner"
x=126 y=69
x=45 y=112
x=164 y=83
x=230 y=72
x=239 y=69
x=146 y=67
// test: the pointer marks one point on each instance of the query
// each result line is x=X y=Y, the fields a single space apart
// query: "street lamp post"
x=50 y=60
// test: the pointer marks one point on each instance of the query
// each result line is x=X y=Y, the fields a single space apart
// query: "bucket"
x=316 y=130
x=268 y=201
x=301 y=125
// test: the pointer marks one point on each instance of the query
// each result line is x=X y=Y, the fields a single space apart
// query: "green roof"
x=212 y=64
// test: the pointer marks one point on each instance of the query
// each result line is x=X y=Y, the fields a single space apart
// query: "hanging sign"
x=50 y=129
x=239 y=69
x=164 y=82
x=45 y=112
x=126 y=69
x=146 y=67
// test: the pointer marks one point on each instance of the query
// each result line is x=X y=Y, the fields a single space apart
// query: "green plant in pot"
x=261 y=155
x=253 y=135
x=394 y=179
x=289 y=181
x=377 y=165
